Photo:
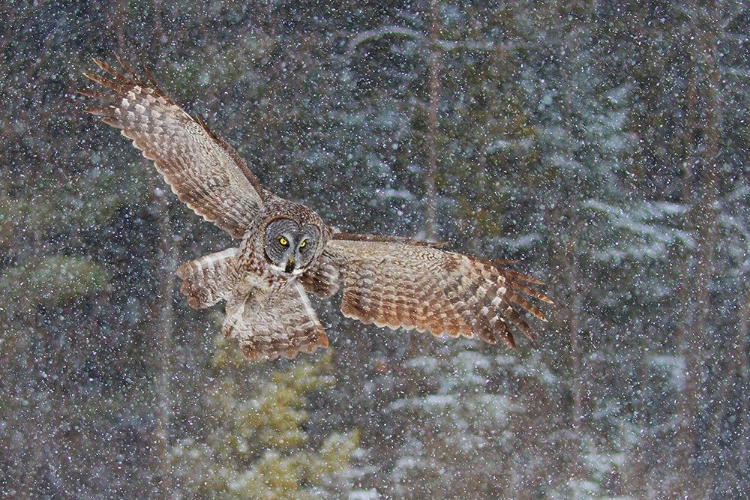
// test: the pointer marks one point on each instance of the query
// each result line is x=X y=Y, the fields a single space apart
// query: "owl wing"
x=401 y=283
x=211 y=278
x=205 y=172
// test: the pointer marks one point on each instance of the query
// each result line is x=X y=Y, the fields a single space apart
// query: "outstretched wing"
x=211 y=278
x=282 y=324
x=205 y=172
x=418 y=286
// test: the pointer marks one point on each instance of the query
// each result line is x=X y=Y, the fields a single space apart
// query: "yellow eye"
x=284 y=242
x=303 y=244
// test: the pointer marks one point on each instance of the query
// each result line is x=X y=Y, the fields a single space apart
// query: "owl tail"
x=282 y=324
x=209 y=279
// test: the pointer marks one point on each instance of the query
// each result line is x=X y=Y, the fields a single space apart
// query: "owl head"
x=290 y=245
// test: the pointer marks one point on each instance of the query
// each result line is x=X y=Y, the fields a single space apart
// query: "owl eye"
x=303 y=244
x=284 y=242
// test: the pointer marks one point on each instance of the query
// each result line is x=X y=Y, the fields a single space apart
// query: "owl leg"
x=209 y=279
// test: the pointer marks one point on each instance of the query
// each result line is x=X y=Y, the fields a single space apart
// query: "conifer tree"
x=257 y=444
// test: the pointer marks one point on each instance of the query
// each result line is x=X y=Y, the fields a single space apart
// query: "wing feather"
x=398 y=284
x=210 y=278
x=203 y=170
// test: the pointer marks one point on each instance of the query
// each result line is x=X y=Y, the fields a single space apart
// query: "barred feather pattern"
x=396 y=285
x=389 y=281
x=210 y=279
x=280 y=324
x=269 y=318
x=202 y=170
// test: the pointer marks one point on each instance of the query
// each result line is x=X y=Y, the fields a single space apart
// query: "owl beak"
x=289 y=265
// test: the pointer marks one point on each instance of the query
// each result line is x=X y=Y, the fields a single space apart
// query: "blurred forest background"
x=603 y=144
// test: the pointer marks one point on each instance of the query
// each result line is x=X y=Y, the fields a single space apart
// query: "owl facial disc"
x=290 y=247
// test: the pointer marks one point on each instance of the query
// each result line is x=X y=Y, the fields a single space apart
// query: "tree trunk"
x=704 y=133
x=164 y=325
x=430 y=199
x=743 y=364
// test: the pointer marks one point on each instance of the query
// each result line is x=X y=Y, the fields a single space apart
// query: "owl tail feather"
x=209 y=279
x=283 y=324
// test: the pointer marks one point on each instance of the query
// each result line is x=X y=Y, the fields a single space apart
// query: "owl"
x=286 y=251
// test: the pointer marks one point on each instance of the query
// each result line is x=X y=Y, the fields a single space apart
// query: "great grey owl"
x=286 y=251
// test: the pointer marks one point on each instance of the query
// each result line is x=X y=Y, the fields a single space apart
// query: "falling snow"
x=601 y=145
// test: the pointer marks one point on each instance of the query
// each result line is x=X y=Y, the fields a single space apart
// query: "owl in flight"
x=286 y=250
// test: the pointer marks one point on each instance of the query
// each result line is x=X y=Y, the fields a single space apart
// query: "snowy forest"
x=601 y=145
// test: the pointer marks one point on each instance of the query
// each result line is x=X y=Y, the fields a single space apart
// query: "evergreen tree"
x=256 y=444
